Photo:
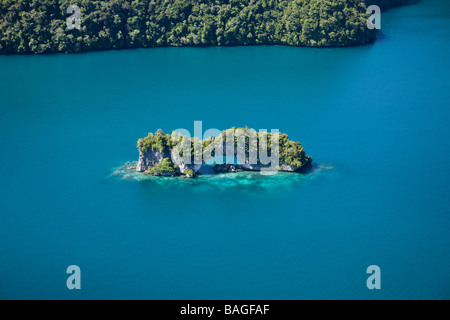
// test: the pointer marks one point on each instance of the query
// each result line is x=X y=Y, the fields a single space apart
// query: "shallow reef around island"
x=250 y=181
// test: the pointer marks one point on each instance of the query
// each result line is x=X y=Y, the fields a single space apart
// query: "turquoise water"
x=374 y=119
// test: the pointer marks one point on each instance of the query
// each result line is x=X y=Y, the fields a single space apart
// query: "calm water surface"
x=374 y=118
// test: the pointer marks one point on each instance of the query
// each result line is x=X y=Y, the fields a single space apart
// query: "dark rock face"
x=162 y=154
x=220 y=168
x=185 y=166
x=166 y=174
x=153 y=156
x=150 y=158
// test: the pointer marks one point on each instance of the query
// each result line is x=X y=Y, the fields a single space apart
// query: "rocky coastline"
x=156 y=157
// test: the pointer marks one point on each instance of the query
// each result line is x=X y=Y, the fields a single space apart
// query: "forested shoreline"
x=39 y=26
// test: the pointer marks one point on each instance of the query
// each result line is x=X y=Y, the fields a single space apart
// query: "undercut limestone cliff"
x=161 y=154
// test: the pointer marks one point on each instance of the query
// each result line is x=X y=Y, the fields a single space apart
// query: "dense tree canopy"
x=39 y=26
x=290 y=152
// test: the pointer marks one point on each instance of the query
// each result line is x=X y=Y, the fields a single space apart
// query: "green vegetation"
x=164 y=167
x=189 y=173
x=290 y=152
x=39 y=26
x=158 y=141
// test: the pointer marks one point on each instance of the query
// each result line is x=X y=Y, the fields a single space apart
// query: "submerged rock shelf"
x=248 y=181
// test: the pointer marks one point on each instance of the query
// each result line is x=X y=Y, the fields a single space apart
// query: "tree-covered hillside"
x=39 y=26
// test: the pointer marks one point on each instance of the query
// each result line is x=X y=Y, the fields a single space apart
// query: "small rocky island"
x=159 y=153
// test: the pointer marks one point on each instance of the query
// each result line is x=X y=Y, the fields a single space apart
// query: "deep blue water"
x=374 y=118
